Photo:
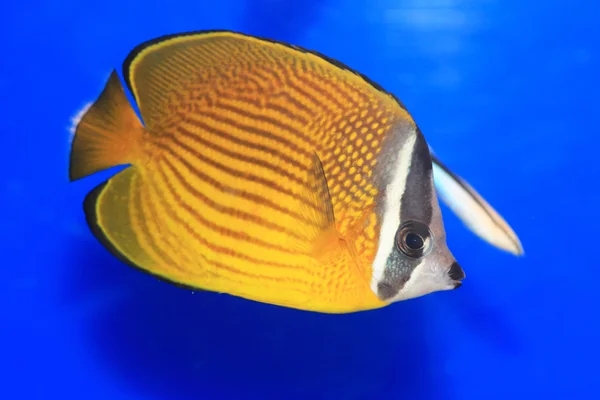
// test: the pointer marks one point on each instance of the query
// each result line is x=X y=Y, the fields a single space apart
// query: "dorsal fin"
x=166 y=73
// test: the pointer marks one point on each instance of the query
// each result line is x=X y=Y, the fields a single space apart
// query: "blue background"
x=506 y=92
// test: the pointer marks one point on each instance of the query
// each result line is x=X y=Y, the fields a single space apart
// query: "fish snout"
x=457 y=274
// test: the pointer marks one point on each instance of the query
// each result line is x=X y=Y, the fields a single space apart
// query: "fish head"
x=412 y=257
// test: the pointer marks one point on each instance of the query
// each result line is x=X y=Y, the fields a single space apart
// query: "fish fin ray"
x=315 y=204
x=108 y=213
x=473 y=210
x=323 y=238
x=175 y=70
x=107 y=133
x=319 y=189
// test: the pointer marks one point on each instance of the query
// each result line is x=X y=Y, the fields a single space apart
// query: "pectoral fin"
x=472 y=209
x=323 y=240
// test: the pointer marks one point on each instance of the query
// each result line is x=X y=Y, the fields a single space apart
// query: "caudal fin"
x=107 y=134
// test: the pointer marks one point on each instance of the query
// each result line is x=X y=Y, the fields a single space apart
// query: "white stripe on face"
x=391 y=215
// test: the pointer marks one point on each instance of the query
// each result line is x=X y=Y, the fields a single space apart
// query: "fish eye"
x=413 y=239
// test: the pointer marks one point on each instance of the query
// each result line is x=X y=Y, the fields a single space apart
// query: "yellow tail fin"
x=108 y=133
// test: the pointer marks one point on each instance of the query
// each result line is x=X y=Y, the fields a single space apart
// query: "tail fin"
x=108 y=133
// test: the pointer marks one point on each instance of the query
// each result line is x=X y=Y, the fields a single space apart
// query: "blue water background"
x=505 y=91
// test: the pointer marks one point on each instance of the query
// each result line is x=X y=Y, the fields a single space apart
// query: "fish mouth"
x=457 y=274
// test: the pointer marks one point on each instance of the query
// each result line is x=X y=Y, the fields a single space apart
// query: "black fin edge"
x=89 y=208
x=139 y=48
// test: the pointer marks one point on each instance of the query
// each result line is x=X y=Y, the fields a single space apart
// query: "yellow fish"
x=265 y=171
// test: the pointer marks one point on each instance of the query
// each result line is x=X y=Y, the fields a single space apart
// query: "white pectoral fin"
x=473 y=210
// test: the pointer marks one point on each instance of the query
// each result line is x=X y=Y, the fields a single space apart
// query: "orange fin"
x=108 y=214
x=118 y=212
x=321 y=219
x=319 y=193
x=322 y=235
x=192 y=69
x=107 y=134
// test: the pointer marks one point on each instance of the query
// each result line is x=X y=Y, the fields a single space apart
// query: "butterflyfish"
x=264 y=171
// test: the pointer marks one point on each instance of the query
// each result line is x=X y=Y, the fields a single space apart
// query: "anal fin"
x=117 y=214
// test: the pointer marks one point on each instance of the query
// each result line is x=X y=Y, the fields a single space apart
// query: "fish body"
x=264 y=171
